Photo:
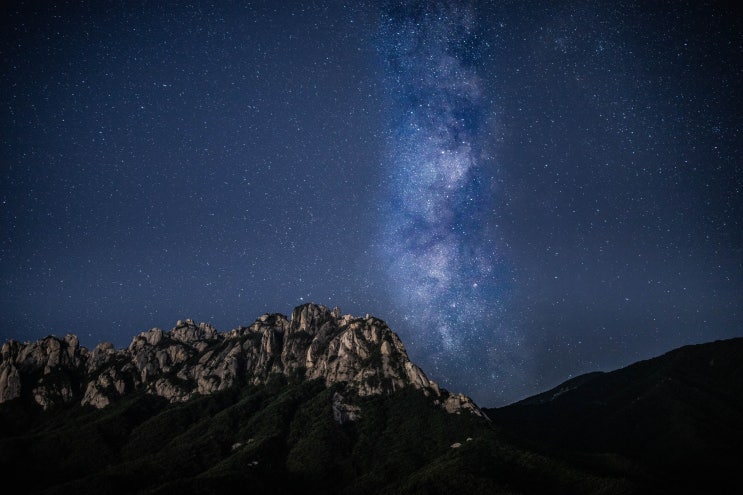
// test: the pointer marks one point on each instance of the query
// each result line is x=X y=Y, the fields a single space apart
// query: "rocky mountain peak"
x=311 y=317
x=192 y=359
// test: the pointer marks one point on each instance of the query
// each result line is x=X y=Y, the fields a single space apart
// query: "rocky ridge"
x=191 y=360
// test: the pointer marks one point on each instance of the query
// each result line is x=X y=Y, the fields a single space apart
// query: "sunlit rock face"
x=190 y=360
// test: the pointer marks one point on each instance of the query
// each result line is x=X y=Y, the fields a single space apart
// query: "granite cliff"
x=191 y=360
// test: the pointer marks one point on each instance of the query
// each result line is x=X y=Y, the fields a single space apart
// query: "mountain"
x=676 y=420
x=314 y=403
x=321 y=402
x=192 y=360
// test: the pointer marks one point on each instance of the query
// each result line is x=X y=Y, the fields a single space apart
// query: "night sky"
x=524 y=191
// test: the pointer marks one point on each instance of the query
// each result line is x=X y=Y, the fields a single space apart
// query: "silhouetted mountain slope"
x=677 y=418
x=277 y=437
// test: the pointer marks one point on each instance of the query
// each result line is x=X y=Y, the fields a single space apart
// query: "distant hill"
x=676 y=419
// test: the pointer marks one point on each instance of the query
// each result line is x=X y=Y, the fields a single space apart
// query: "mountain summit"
x=191 y=360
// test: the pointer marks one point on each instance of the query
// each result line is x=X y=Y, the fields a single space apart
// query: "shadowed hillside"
x=676 y=417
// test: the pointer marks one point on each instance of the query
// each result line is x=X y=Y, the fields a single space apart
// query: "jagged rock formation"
x=315 y=343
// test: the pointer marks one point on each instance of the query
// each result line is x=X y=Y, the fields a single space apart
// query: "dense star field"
x=523 y=191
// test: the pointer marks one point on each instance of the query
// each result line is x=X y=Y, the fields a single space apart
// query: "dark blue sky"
x=524 y=191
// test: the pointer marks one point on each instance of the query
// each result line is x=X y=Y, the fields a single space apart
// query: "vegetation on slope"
x=275 y=438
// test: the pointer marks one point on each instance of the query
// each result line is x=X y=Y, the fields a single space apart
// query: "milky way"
x=441 y=261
